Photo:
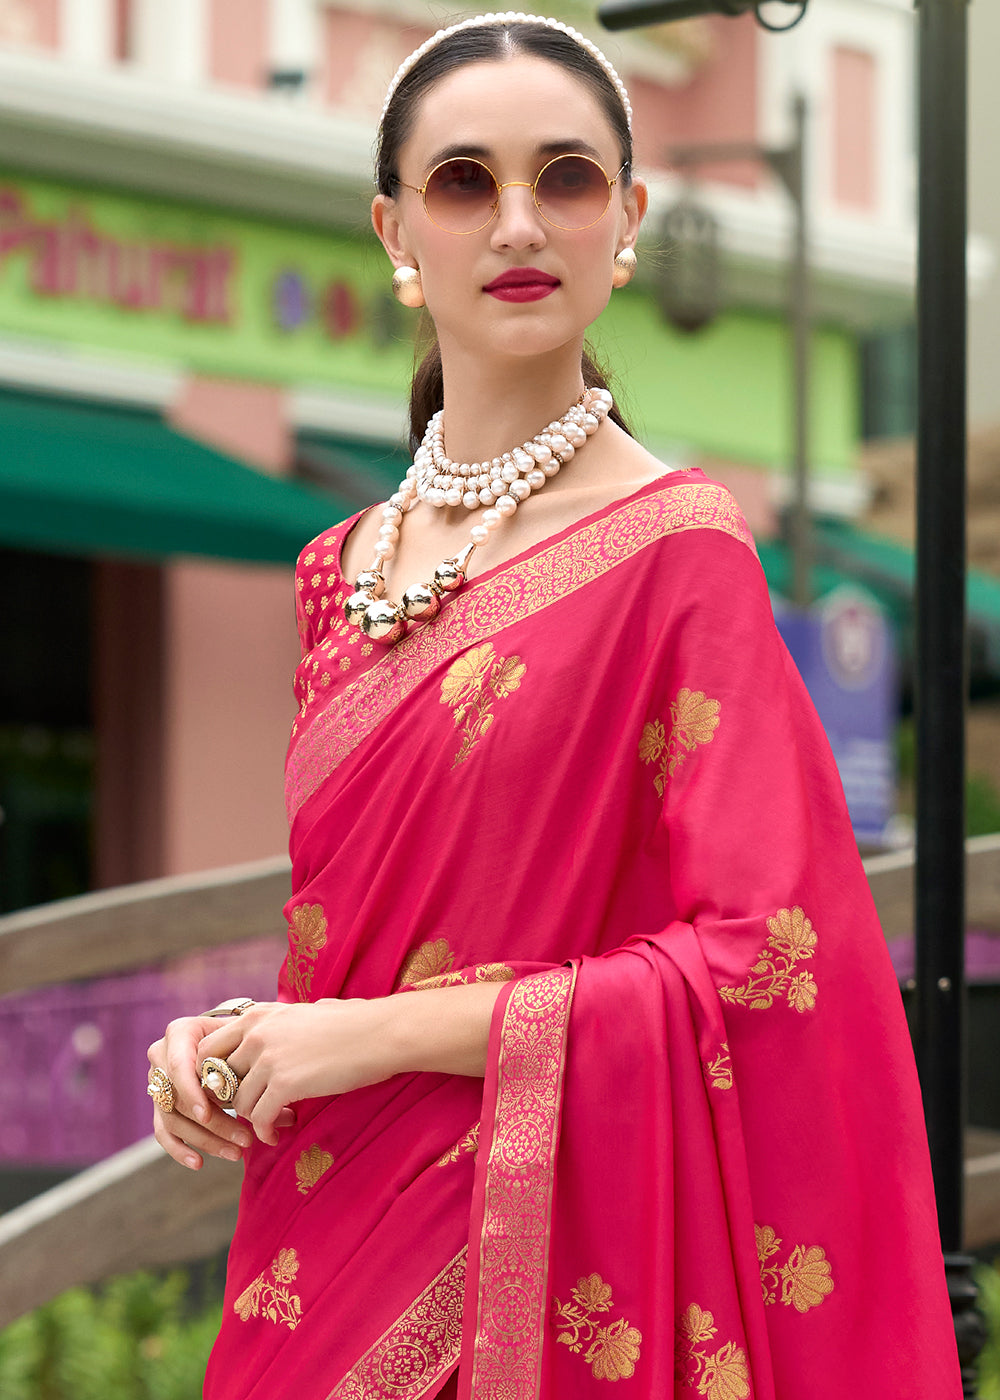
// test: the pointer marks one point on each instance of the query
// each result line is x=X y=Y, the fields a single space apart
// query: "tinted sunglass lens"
x=460 y=196
x=572 y=192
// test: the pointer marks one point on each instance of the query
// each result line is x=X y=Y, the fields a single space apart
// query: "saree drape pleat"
x=697 y=1164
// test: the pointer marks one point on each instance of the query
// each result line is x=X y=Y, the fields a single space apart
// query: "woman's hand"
x=197 y=1126
x=286 y=1051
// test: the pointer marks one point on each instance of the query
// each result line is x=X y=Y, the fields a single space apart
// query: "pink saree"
x=697 y=1166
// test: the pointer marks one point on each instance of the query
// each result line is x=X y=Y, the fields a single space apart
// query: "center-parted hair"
x=489 y=43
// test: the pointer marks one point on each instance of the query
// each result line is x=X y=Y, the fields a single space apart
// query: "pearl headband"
x=510 y=17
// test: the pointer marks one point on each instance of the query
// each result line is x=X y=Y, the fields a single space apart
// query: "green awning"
x=887 y=568
x=76 y=478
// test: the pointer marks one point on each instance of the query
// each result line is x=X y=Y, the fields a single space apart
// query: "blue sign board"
x=843 y=648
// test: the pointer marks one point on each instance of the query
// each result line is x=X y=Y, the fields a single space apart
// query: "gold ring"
x=219 y=1078
x=160 y=1090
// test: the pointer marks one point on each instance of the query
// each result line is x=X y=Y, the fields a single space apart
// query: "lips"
x=522 y=277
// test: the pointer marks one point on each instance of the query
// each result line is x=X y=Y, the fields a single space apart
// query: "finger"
x=222 y=1040
x=246 y=1103
x=181 y=1064
x=188 y=1143
x=265 y=1114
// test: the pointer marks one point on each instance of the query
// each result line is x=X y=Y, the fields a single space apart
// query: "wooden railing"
x=138 y=1209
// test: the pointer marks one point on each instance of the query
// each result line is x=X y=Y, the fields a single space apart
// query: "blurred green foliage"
x=982 y=798
x=135 y=1339
x=988 y=1279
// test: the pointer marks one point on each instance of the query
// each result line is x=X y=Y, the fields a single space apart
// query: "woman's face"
x=514 y=115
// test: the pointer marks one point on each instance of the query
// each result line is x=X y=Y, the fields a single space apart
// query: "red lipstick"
x=522 y=284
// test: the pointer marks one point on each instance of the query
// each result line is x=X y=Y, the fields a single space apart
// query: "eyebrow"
x=572 y=146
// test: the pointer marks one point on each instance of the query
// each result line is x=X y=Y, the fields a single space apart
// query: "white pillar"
x=294 y=36
x=87 y=29
x=171 y=40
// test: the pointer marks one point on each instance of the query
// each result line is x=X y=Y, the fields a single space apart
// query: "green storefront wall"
x=161 y=283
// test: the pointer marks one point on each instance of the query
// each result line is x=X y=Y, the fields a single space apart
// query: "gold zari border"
x=514 y=1241
x=417 y=1349
x=494 y=603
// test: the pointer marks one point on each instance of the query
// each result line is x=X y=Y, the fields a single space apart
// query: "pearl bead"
x=388 y=531
x=398 y=499
x=497 y=463
x=486 y=496
x=575 y=434
x=384 y=549
x=479 y=534
x=560 y=444
x=551 y=468
x=506 y=505
x=512 y=470
x=470 y=500
x=498 y=486
x=392 y=514
x=520 y=490
x=540 y=452
x=482 y=481
x=536 y=478
x=491 y=519
x=554 y=427
x=453 y=496
x=590 y=424
x=435 y=496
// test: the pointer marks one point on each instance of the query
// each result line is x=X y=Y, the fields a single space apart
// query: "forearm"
x=443 y=1030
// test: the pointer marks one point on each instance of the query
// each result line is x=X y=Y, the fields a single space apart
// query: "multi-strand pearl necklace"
x=499 y=486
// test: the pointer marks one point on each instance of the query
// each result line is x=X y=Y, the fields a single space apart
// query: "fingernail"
x=200 y=1112
x=192 y=1161
x=241 y=1139
x=231 y=1154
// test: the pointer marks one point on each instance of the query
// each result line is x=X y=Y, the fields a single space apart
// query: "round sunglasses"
x=462 y=195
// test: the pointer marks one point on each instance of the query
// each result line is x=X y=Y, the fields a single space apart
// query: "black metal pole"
x=940 y=633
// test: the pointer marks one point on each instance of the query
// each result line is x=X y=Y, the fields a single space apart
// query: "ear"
x=635 y=204
x=387 y=226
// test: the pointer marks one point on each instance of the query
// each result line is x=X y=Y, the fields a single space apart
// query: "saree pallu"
x=697 y=1164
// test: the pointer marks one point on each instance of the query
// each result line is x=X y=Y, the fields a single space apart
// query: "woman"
x=588 y=1064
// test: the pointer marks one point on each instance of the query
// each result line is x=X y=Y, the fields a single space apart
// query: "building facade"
x=188 y=286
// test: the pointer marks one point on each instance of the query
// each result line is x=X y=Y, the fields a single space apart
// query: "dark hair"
x=488 y=43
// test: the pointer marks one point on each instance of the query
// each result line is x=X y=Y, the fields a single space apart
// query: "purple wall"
x=73 y=1058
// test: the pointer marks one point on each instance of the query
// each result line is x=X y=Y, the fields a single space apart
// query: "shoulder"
x=683 y=503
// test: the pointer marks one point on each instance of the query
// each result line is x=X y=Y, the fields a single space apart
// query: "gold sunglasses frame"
x=531 y=185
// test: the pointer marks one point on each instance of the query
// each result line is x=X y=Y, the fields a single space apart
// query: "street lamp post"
x=788 y=163
x=940 y=612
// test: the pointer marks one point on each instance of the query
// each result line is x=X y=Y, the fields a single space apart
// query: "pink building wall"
x=229 y=650
x=854 y=128
x=31 y=22
x=719 y=103
x=238 y=42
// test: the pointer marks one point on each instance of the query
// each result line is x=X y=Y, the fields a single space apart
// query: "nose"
x=517 y=223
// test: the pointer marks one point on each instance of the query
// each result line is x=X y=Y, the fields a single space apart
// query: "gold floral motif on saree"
x=719 y=1070
x=468 y=1143
x=611 y=1351
x=310 y=1167
x=792 y=939
x=514 y=1239
x=270 y=1297
x=431 y=959
x=802 y=1282
x=722 y=1374
x=694 y=718
x=474 y=684
x=485 y=972
x=509 y=596
x=306 y=935
x=420 y=1346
